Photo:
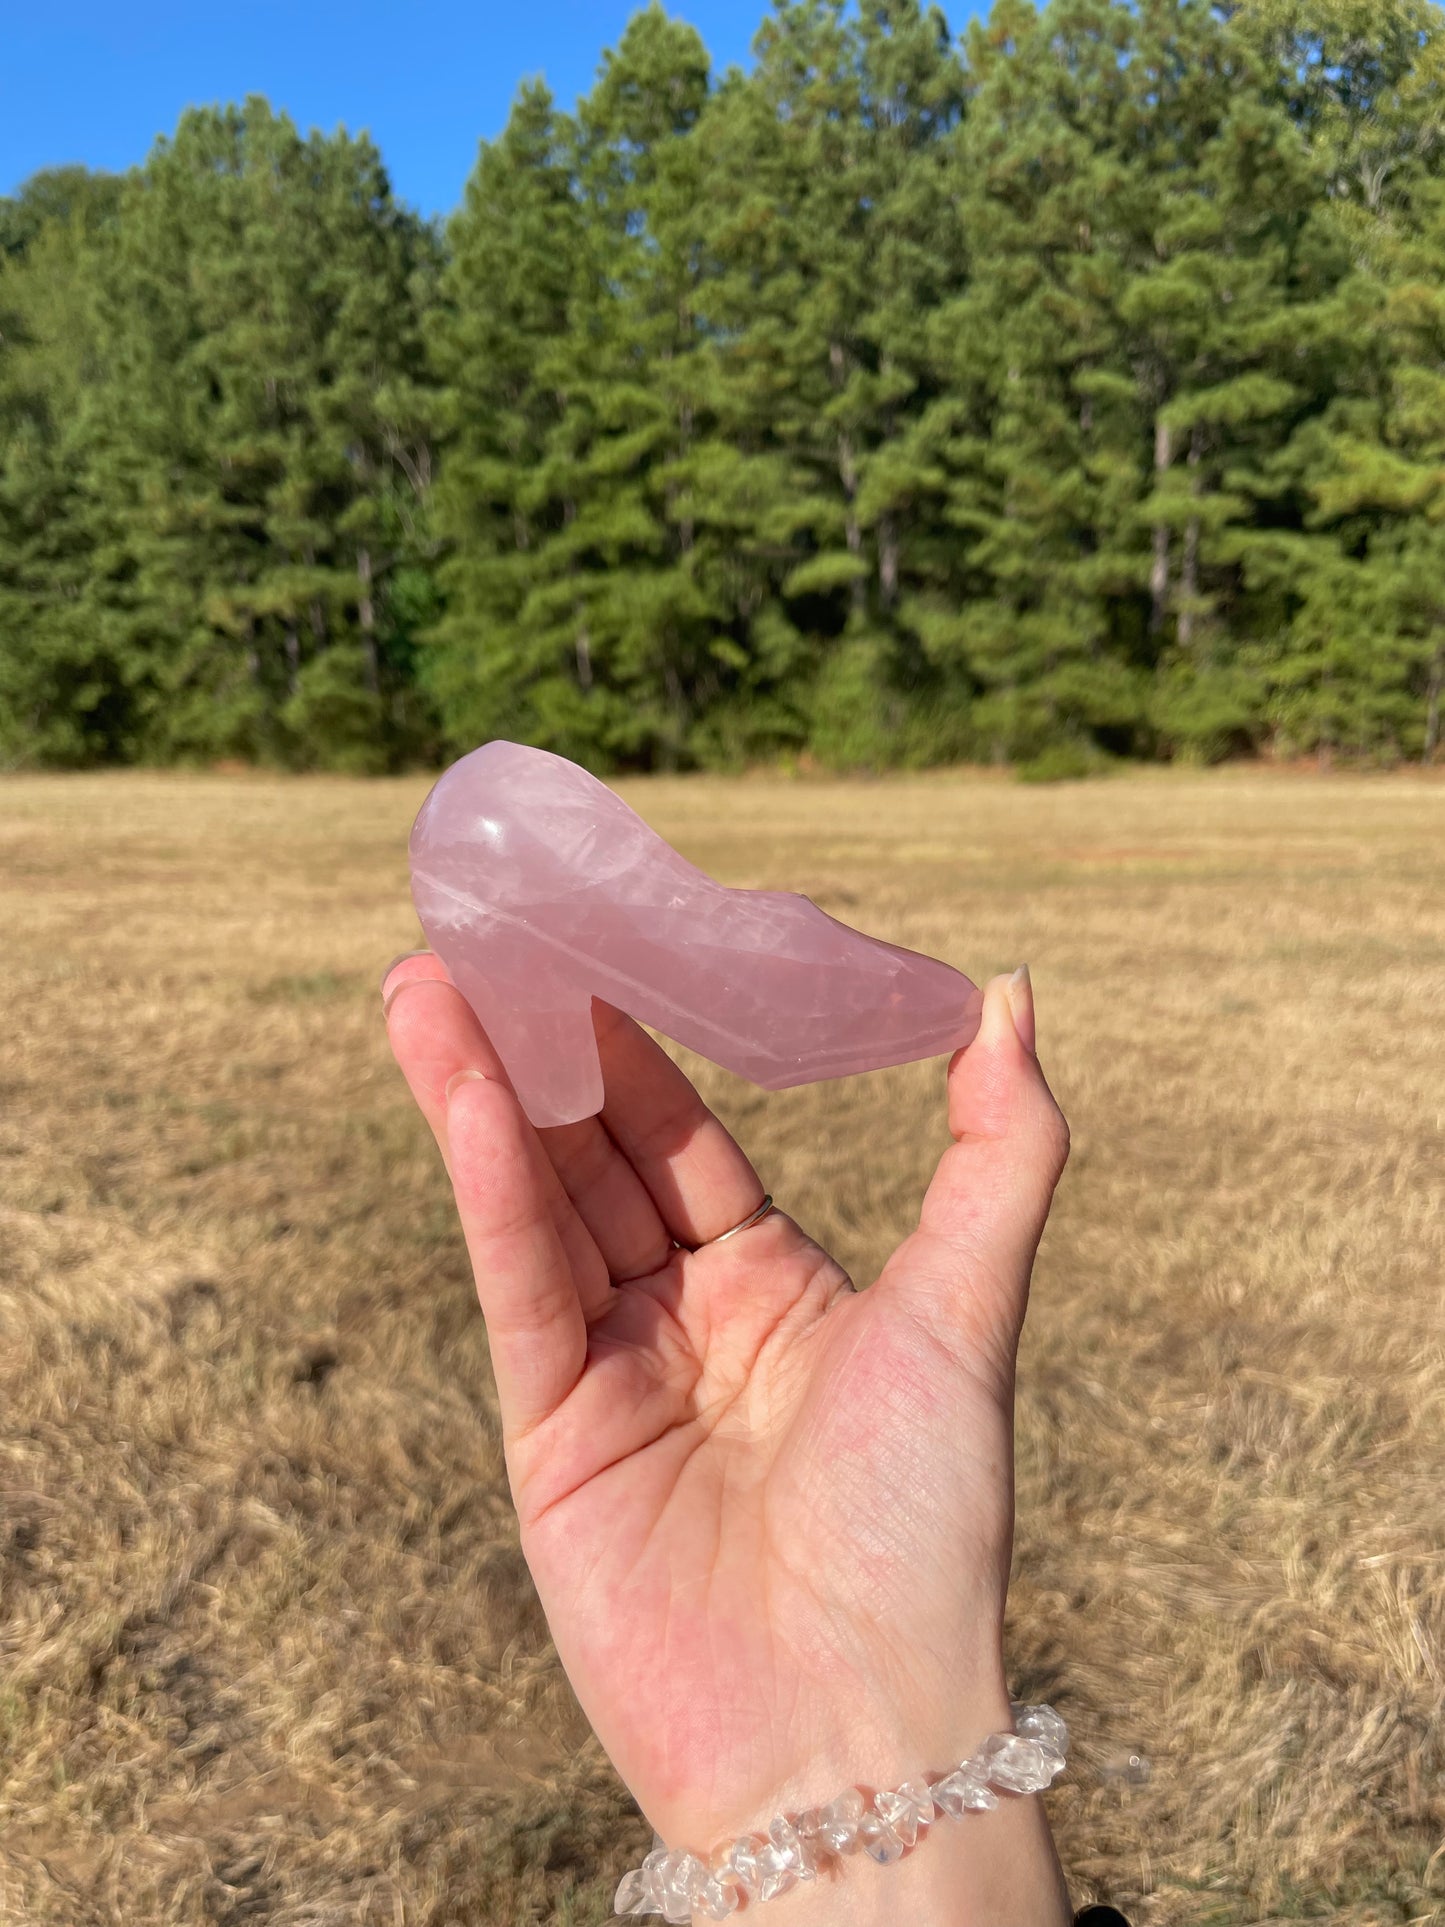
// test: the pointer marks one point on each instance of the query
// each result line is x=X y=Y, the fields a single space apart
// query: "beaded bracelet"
x=681 y=1886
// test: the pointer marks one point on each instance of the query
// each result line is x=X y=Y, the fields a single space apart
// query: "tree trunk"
x=253 y=655
x=685 y=529
x=1189 y=568
x=366 y=615
x=672 y=745
x=293 y=658
x=848 y=475
x=584 y=652
x=887 y=560
x=1159 y=573
x=317 y=613
x=1432 y=699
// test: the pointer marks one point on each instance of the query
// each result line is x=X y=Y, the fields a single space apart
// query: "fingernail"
x=400 y=960
x=463 y=1077
x=407 y=983
x=1020 y=991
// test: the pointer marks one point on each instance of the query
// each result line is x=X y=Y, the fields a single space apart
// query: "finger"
x=610 y=1199
x=606 y=1193
x=536 y=1332
x=966 y=1269
x=694 y=1171
x=434 y=1033
x=437 y=1036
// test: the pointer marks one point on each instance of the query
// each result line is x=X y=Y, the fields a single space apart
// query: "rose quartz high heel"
x=539 y=889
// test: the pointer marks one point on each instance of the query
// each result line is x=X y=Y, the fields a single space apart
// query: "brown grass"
x=268 y=1651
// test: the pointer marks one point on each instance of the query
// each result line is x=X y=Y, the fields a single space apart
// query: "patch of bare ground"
x=268 y=1650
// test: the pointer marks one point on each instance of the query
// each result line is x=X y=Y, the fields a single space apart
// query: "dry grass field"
x=268 y=1652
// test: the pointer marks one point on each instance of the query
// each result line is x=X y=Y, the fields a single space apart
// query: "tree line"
x=1073 y=389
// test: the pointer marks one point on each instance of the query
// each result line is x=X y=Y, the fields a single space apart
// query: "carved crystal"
x=539 y=889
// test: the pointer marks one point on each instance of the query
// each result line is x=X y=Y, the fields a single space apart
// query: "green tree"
x=1077 y=390
x=1146 y=280
x=1359 y=669
x=246 y=451
x=267 y=433
x=500 y=341
x=65 y=695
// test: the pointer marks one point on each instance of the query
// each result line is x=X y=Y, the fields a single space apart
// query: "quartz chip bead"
x=878 y=1840
x=728 y=1890
x=682 y=1880
x=711 y=1898
x=736 y=1865
x=1043 y=1724
x=776 y=1873
x=796 y=1849
x=965 y=1790
x=1018 y=1765
x=634 y=1894
x=807 y=1823
x=839 y=1821
x=906 y=1809
x=715 y=1900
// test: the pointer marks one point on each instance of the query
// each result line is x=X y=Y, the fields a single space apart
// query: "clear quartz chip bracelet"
x=682 y=1886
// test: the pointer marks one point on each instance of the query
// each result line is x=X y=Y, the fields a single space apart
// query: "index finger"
x=434 y=1033
x=536 y=1331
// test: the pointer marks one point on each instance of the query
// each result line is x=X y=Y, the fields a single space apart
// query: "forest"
x=1068 y=390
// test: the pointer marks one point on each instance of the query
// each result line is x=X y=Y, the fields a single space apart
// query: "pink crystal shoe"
x=539 y=889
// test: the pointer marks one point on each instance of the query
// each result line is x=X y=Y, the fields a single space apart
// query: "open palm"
x=768 y=1518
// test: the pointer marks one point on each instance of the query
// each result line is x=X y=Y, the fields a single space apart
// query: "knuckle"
x=1054 y=1137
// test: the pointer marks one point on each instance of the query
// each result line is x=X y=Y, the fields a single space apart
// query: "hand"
x=769 y=1519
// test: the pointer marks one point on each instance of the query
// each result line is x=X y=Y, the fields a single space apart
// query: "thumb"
x=964 y=1273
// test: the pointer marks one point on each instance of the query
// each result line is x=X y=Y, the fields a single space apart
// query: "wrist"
x=914 y=1734
x=986 y=1866
x=996 y=1869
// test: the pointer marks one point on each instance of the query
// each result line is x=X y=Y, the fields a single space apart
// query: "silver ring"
x=754 y=1216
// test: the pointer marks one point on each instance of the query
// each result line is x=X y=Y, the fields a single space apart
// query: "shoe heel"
x=542 y=1031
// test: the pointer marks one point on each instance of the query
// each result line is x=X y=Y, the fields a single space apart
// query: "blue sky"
x=97 y=83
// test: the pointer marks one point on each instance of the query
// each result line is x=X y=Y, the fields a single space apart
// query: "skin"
x=769 y=1519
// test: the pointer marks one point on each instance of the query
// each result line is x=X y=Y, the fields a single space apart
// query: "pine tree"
x=911 y=85
x=1361 y=665
x=631 y=582
x=1082 y=391
x=65 y=695
x=259 y=433
x=1042 y=423
x=1145 y=276
x=499 y=343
